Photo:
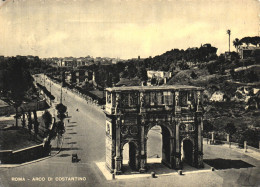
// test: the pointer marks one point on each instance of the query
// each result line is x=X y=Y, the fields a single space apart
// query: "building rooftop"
x=148 y=88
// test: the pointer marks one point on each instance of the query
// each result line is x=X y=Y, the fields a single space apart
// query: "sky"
x=122 y=28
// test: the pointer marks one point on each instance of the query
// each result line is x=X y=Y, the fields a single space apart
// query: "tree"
x=47 y=118
x=207 y=127
x=236 y=43
x=141 y=73
x=29 y=121
x=61 y=111
x=193 y=75
x=230 y=129
x=63 y=78
x=61 y=115
x=229 y=33
x=19 y=81
x=60 y=128
x=23 y=119
x=255 y=40
x=36 y=123
x=246 y=40
x=60 y=124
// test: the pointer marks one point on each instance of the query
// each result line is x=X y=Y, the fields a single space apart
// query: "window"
x=168 y=100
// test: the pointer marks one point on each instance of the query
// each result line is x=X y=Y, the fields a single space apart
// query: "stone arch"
x=152 y=124
x=128 y=141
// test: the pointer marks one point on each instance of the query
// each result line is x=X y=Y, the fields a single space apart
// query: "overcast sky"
x=121 y=28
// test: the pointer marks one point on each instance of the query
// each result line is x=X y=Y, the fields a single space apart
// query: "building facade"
x=132 y=111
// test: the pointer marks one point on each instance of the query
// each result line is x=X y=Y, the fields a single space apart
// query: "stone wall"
x=22 y=155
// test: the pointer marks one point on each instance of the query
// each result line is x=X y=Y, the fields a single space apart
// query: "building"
x=218 y=96
x=88 y=75
x=249 y=52
x=132 y=111
x=80 y=76
x=160 y=77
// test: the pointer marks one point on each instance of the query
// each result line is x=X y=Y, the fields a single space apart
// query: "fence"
x=232 y=144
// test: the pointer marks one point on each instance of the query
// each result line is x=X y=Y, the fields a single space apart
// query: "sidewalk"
x=251 y=153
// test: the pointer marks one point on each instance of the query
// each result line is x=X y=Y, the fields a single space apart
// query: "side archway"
x=187 y=151
x=130 y=152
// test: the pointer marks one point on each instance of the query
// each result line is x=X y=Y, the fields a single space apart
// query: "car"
x=74 y=157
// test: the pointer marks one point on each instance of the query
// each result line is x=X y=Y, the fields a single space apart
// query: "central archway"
x=154 y=143
x=158 y=144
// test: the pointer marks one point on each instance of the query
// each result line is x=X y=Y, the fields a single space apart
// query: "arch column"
x=177 y=153
x=177 y=150
x=143 y=158
x=200 y=143
x=118 y=160
x=172 y=151
x=199 y=120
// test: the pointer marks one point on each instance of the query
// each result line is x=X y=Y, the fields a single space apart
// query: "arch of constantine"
x=132 y=111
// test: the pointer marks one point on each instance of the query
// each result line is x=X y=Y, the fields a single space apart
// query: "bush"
x=47 y=117
x=61 y=108
x=193 y=75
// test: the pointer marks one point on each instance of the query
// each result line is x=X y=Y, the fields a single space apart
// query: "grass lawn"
x=17 y=138
x=13 y=138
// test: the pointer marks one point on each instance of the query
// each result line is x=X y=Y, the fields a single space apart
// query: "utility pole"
x=50 y=91
x=61 y=94
x=44 y=79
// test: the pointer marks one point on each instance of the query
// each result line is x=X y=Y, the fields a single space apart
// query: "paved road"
x=85 y=135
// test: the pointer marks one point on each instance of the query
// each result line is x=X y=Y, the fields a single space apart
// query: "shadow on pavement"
x=64 y=155
x=72 y=143
x=66 y=149
x=71 y=125
x=72 y=133
x=220 y=163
